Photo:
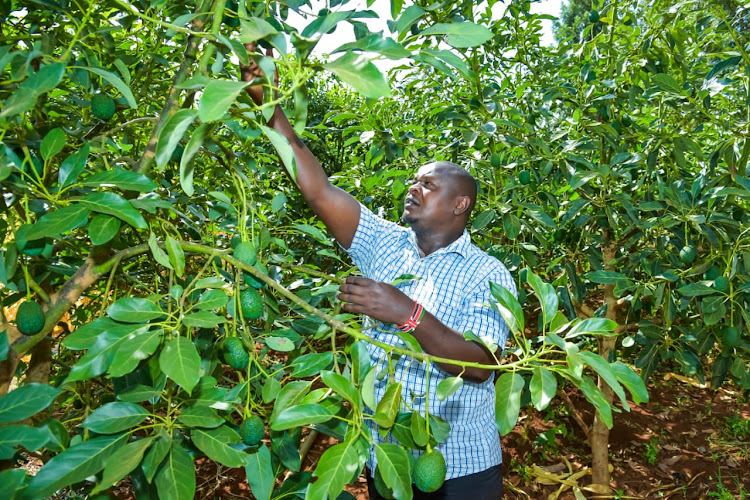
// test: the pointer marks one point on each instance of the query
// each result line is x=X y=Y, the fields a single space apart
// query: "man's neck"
x=429 y=242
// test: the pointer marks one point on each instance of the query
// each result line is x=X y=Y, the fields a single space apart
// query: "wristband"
x=417 y=313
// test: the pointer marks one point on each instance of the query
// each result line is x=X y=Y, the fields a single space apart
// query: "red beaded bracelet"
x=417 y=313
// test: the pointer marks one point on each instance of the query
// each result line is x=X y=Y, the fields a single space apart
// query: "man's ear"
x=462 y=205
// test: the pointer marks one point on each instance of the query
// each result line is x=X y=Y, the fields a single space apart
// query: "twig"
x=576 y=415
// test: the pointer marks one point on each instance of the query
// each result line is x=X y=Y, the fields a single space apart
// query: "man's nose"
x=414 y=188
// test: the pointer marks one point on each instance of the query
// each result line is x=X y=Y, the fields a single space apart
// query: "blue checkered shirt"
x=454 y=285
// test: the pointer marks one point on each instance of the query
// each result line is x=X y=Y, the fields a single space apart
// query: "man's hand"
x=252 y=71
x=378 y=300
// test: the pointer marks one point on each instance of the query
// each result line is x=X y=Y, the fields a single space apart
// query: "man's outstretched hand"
x=252 y=72
x=378 y=300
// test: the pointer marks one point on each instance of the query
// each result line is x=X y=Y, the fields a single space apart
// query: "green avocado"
x=688 y=254
x=252 y=430
x=245 y=253
x=30 y=318
x=103 y=106
x=251 y=303
x=721 y=283
x=235 y=354
x=429 y=474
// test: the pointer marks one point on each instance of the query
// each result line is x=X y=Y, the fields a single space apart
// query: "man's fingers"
x=353 y=308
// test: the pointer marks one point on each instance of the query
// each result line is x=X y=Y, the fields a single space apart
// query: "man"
x=446 y=299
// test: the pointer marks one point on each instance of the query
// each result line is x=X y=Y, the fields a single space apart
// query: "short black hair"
x=466 y=184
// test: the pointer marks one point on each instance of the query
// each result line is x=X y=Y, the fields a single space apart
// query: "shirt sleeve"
x=373 y=235
x=483 y=321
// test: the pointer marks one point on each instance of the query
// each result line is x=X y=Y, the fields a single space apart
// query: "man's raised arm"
x=338 y=210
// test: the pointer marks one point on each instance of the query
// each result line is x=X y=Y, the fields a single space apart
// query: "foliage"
x=634 y=144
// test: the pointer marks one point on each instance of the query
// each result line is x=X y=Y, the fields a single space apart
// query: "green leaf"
x=419 y=429
x=116 y=205
x=284 y=149
x=631 y=380
x=667 y=84
x=301 y=415
x=100 y=355
x=448 y=387
x=255 y=28
x=596 y=398
x=171 y=134
x=123 y=179
x=311 y=364
x=508 y=390
x=58 y=222
x=73 y=465
x=461 y=35
x=367 y=389
x=388 y=47
x=394 y=467
x=606 y=277
x=103 y=228
x=508 y=307
x=342 y=387
x=722 y=65
x=86 y=335
x=115 y=81
x=599 y=326
x=114 y=417
x=217 y=97
x=573 y=358
x=57 y=435
x=13 y=436
x=139 y=346
x=138 y=393
x=543 y=387
x=200 y=416
x=176 y=256
x=73 y=165
x=180 y=361
x=546 y=294
x=212 y=299
x=122 y=462
x=361 y=361
x=3 y=346
x=25 y=401
x=696 y=290
x=134 y=310
x=313 y=231
x=159 y=255
x=259 y=473
x=408 y=17
x=291 y=394
x=175 y=480
x=11 y=480
x=29 y=91
x=271 y=389
x=186 y=162
x=215 y=444
x=53 y=143
x=281 y=344
x=156 y=454
x=483 y=219
x=360 y=73
x=336 y=467
x=387 y=409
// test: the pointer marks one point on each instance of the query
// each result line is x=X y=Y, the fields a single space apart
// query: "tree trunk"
x=599 y=430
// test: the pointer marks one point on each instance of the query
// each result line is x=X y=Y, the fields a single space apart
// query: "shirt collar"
x=461 y=246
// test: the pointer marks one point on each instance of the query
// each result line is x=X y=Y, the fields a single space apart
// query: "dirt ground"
x=687 y=442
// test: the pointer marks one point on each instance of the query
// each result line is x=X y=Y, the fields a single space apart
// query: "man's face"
x=430 y=199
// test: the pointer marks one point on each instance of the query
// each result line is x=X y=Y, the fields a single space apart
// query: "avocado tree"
x=619 y=165
x=186 y=297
